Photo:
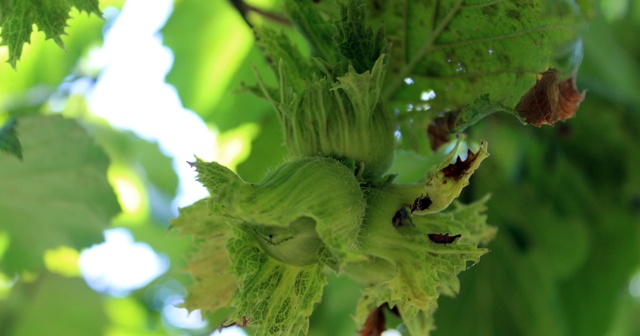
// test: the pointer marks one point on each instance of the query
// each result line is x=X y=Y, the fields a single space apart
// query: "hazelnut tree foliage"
x=362 y=90
x=333 y=206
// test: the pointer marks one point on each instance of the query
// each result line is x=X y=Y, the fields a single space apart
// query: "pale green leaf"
x=320 y=189
x=209 y=265
x=425 y=268
x=447 y=180
x=275 y=297
x=58 y=195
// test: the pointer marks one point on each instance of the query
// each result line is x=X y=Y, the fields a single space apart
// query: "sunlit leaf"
x=50 y=16
x=43 y=65
x=210 y=65
x=141 y=155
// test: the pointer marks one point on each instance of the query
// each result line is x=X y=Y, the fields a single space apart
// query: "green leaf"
x=9 y=141
x=318 y=31
x=318 y=190
x=356 y=41
x=563 y=200
x=476 y=111
x=424 y=266
x=44 y=65
x=280 y=50
x=143 y=156
x=266 y=150
x=19 y=16
x=422 y=324
x=58 y=195
x=462 y=50
x=444 y=182
x=214 y=286
x=276 y=254
x=52 y=305
x=210 y=66
x=276 y=297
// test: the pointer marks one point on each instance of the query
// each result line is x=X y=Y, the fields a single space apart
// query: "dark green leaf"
x=356 y=41
x=9 y=141
x=462 y=50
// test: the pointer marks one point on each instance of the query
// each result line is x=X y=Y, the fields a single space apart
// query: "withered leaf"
x=443 y=238
x=459 y=168
x=440 y=128
x=551 y=99
x=374 y=325
x=245 y=322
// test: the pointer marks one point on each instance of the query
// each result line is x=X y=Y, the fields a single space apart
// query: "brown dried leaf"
x=443 y=238
x=459 y=168
x=550 y=99
x=440 y=128
x=244 y=324
x=421 y=203
x=374 y=325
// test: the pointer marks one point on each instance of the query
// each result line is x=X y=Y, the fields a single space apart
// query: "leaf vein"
x=483 y=5
x=428 y=45
x=498 y=38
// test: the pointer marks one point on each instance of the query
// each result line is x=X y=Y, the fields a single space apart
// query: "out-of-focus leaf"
x=267 y=150
x=139 y=154
x=209 y=66
x=339 y=301
x=52 y=305
x=318 y=31
x=58 y=195
x=564 y=209
x=618 y=79
x=9 y=141
x=18 y=17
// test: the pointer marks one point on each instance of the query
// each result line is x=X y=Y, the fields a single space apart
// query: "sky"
x=131 y=95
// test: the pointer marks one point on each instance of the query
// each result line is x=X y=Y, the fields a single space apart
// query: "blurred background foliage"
x=566 y=199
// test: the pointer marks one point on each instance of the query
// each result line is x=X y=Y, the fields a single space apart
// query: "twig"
x=244 y=9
